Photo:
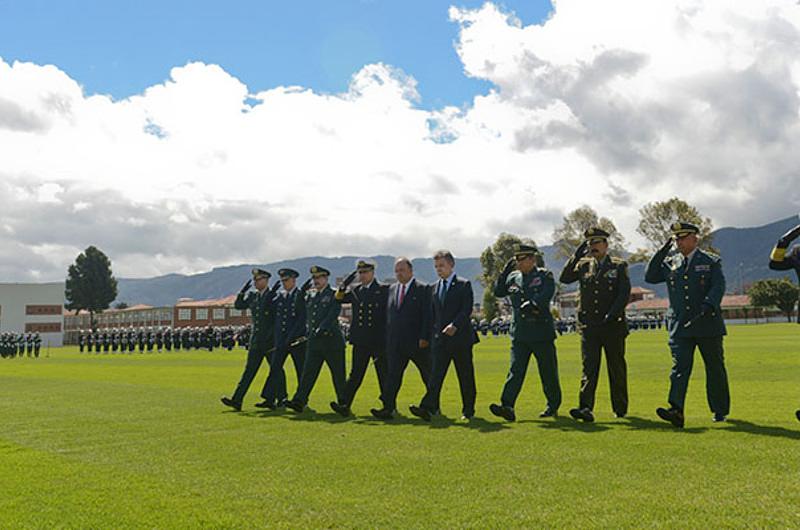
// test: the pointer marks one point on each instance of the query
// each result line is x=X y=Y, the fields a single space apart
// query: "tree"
x=493 y=259
x=782 y=293
x=90 y=285
x=569 y=235
x=121 y=305
x=656 y=220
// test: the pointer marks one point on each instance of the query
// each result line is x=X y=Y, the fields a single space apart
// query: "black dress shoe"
x=467 y=416
x=341 y=410
x=420 y=412
x=382 y=414
x=295 y=405
x=718 y=418
x=265 y=405
x=619 y=415
x=582 y=414
x=507 y=413
x=798 y=415
x=672 y=415
x=231 y=403
x=548 y=413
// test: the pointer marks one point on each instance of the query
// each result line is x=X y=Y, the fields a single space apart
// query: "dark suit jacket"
x=407 y=324
x=457 y=310
x=368 y=325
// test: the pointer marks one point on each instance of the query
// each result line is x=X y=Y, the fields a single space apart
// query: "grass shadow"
x=562 y=423
x=636 y=423
x=762 y=430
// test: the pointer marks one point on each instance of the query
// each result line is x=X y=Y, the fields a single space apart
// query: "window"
x=184 y=314
x=53 y=327
x=219 y=313
x=42 y=309
x=235 y=312
x=201 y=314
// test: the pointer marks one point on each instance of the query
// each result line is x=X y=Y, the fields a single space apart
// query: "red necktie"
x=402 y=295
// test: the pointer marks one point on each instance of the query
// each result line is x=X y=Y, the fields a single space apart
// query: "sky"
x=179 y=136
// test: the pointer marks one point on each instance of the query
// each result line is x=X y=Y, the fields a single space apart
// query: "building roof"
x=728 y=302
x=215 y=302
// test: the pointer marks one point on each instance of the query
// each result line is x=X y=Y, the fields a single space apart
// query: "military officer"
x=695 y=285
x=532 y=331
x=290 y=330
x=781 y=260
x=325 y=343
x=367 y=328
x=605 y=289
x=261 y=304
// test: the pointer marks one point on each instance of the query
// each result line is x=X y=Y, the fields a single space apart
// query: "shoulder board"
x=709 y=255
x=618 y=261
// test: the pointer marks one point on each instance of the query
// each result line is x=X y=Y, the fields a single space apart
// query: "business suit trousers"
x=328 y=350
x=612 y=341
x=547 y=362
x=398 y=362
x=717 y=390
x=361 y=357
x=255 y=355
x=465 y=370
x=275 y=390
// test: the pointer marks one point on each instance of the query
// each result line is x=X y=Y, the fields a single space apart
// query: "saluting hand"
x=246 y=286
x=275 y=286
x=307 y=285
x=582 y=249
x=668 y=245
x=349 y=279
x=788 y=237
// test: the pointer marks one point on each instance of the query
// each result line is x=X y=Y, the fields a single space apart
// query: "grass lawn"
x=117 y=441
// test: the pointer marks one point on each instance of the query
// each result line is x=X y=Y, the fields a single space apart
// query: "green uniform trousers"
x=329 y=350
x=545 y=353
x=593 y=342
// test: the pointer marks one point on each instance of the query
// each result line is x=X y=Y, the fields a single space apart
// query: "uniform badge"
x=536 y=281
x=702 y=268
x=611 y=274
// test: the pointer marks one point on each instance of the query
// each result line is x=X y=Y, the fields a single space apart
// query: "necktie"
x=402 y=295
x=442 y=291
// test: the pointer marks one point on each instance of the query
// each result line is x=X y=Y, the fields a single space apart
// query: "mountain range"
x=744 y=252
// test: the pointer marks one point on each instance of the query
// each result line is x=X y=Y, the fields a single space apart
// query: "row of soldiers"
x=163 y=338
x=19 y=344
x=430 y=326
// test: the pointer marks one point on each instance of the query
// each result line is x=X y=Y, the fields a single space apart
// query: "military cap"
x=258 y=273
x=365 y=265
x=287 y=273
x=521 y=249
x=595 y=234
x=316 y=270
x=680 y=229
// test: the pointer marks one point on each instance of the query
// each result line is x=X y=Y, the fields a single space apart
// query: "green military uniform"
x=696 y=285
x=532 y=330
x=325 y=342
x=605 y=289
x=261 y=306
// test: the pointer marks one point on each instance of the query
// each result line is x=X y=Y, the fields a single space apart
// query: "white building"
x=33 y=307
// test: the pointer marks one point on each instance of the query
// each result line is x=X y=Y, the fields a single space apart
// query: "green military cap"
x=260 y=273
x=287 y=273
x=681 y=229
x=522 y=250
x=365 y=265
x=595 y=235
x=316 y=270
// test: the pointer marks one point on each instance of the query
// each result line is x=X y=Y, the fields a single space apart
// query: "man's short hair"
x=403 y=259
x=445 y=254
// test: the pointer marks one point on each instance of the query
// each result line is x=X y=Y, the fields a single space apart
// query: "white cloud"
x=609 y=103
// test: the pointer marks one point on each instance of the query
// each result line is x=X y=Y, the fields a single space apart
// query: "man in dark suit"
x=407 y=333
x=367 y=328
x=452 y=338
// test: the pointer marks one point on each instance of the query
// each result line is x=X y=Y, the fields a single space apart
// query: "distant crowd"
x=19 y=344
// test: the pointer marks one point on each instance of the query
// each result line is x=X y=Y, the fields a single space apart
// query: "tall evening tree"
x=90 y=285
x=569 y=235
x=781 y=293
x=656 y=218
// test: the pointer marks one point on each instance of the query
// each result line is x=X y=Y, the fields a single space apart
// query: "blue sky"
x=120 y=48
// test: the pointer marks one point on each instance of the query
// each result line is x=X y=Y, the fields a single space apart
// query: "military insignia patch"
x=702 y=268
x=536 y=281
x=611 y=274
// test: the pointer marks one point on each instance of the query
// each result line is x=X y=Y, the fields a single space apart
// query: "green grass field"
x=117 y=441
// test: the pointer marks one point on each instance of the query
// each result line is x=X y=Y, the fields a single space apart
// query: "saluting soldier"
x=781 y=260
x=605 y=289
x=325 y=343
x=530 y=290
x=290 y=329
x=695 y=284
x=261 y=304
x=367 y=328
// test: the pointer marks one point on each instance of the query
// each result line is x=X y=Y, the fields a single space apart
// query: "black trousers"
x=612 y=341
x=398 y=362
x=358 y=369
x=443 y=354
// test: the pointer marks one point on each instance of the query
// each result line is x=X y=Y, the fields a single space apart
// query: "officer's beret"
x=521 y=249
x=316 y=270
x=287 y=273
x=365 y=265
x=259 y=273
x=595 y=234
x=680 y=229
